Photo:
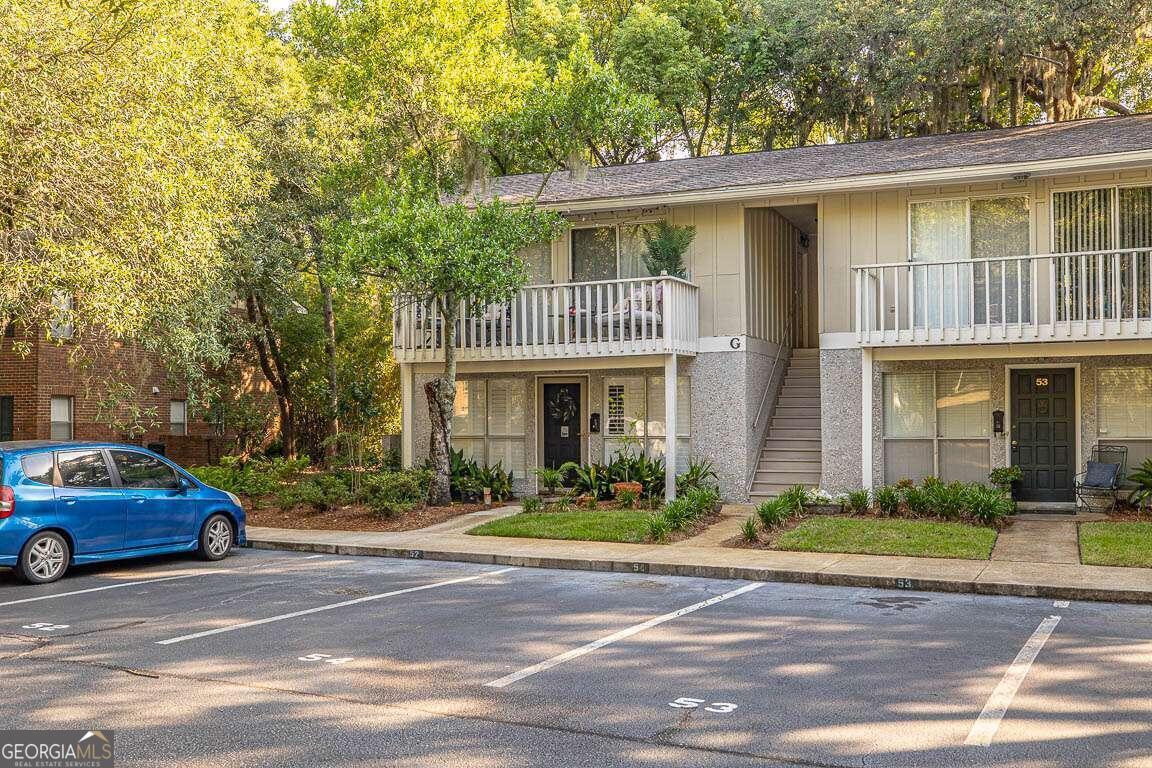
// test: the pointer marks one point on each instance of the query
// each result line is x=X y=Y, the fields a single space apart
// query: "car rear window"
x=38 y=467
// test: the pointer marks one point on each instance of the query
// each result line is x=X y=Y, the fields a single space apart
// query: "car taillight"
x=7 y=501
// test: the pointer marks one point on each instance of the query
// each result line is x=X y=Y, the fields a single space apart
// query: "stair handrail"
x=797 y=291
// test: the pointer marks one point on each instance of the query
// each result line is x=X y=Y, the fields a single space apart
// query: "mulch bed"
x=1128 y=516
x=351 y=518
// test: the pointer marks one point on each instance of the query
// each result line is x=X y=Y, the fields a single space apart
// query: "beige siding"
x=716 y=265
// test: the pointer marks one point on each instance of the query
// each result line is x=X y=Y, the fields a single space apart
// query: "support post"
x=407 y=408
x=866 y=394
x=670 y=429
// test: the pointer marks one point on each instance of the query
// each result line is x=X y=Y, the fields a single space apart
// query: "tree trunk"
x=330 y=449
x=441 y=393
x=272 y=365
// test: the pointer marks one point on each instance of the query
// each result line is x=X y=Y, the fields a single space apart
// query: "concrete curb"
x=747 y=573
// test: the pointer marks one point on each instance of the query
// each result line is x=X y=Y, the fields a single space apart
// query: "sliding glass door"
x=962 y=273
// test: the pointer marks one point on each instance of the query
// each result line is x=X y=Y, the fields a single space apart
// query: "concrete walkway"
x=1061 y=577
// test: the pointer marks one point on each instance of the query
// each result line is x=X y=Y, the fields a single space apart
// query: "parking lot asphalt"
x=279 y=658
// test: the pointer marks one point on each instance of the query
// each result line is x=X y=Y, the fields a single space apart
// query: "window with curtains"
x=962 y=271
x=1124 y=403
x=1115 y=284
x=608 y=252
x=634 y=406
x=488 y=421
x=937 y=424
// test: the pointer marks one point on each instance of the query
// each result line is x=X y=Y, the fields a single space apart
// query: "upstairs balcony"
x=609 y=318
x=1087 y=295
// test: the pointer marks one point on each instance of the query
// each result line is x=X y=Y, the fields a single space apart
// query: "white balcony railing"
x=1049 y=297
x=651 y=315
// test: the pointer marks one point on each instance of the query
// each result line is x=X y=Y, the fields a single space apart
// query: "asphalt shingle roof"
x=1033 y=143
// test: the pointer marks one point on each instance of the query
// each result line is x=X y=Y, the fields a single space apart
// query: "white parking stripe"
x=622 y=634
x=110 y=586
x=986 y=725
x=328 y=607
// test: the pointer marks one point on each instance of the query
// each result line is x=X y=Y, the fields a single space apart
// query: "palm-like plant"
x=1141 y=495
x=667 y=244
x=549 y=477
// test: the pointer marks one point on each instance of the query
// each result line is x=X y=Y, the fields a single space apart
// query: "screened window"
x=61 y=418
x=1125 y=403
x=488 y=421
x=178 y=417
x=937 y=424
x=139 y=470
x=83 y=469
x=635 y=408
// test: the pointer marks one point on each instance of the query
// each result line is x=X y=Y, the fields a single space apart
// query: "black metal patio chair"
x=1098 y=485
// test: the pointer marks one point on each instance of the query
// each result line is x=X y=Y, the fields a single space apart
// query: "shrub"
x=987 y=506
x=389 y=493
x=549 y=478
x=702 y=500
x=904 y=483
x=247 y=480
x=699 y=475
x=749 y=531
x=918 y=501
x=858 y=501
x=794 y=499
x=306 y=493
x=887 y=499
x=627 y=499
x=1141 y=495
x=773 y=512
x=657 y=526
x=589 y=479
x=590 y=502
x=563 y=505
x=531 y=505
x=678 y=513
x=948 y=501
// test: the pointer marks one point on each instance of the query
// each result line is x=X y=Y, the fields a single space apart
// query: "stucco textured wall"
x=841 y=425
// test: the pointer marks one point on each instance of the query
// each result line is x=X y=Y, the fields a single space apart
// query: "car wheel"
x=44 y=558
x=216 y=538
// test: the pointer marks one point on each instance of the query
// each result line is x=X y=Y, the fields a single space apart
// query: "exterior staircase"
x=791 y=452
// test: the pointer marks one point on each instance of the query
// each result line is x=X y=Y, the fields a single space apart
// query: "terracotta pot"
x=635 y=487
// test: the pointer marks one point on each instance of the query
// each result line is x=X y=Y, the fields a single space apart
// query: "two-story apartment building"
x=853 y=314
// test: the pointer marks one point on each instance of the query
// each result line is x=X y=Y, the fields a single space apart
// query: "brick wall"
x=50 y=369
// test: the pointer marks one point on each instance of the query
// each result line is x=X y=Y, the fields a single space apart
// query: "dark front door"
x=561 y=424
x=1044 y=432
x=6 y=408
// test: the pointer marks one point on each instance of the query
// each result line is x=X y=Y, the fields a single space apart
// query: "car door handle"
x=136 y=497
x=67 y=499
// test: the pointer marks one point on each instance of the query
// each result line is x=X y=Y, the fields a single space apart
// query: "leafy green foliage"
x=774 y=512
x=469 y=479
x=699 y=474
x=987 y=506
x=948 y=501
x=591 y=479
x=657 y=527
x=859 y=501
x=531 y=505
x=666 y=246
x=1141 y=495
x=550 y=478
x=1005 y=476
x=749 y=531
x=794 y=499
x=887 y=499
x=627 y=499
x=917 y=501
x=392 y=493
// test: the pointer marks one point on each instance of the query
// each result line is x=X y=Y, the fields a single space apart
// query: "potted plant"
x=1007 y=479
x=666 y=245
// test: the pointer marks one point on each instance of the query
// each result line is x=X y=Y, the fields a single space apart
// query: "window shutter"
x=624 y=397
x=506 y=407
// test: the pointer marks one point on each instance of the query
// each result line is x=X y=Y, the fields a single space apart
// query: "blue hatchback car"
x=70 y=502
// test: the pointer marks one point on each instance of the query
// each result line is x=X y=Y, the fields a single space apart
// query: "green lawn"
x=1127 y=544
x=915 y=538
x=606 y=525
